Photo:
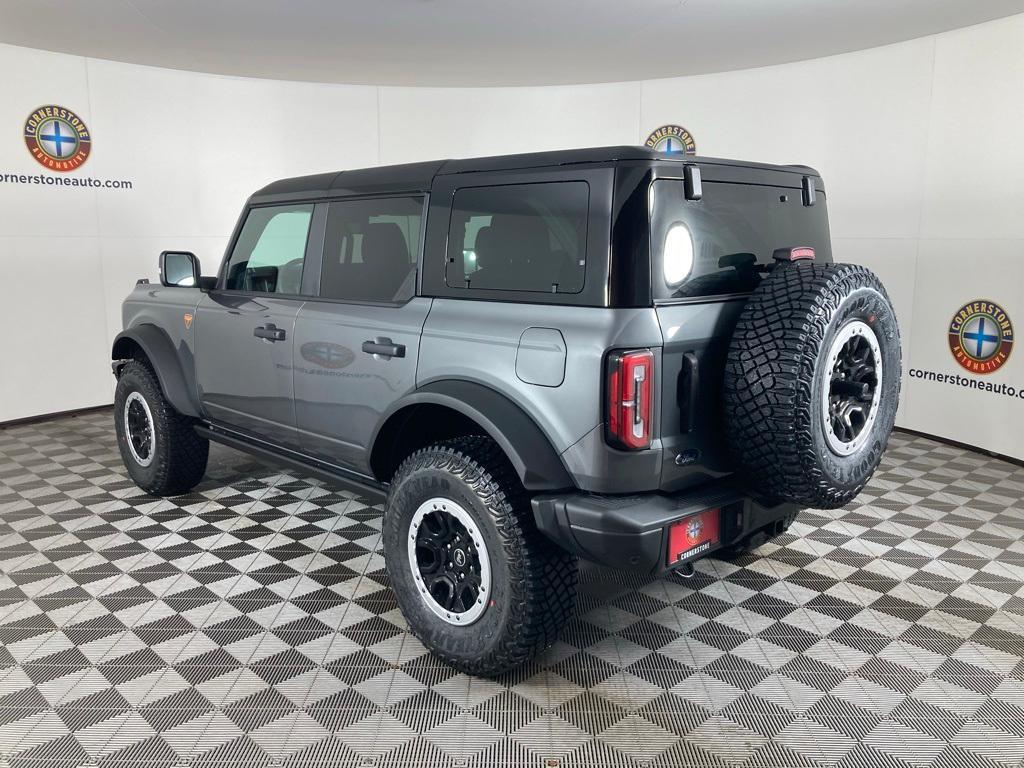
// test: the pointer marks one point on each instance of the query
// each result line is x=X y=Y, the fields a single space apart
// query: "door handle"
x=691 y=378
x=384 y=347
x=270 y=332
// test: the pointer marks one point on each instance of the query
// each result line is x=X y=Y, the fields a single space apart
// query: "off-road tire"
x=775 y=372
x=179 y=454
x=533 y=582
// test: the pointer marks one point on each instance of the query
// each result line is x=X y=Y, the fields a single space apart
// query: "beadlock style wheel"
x=138 y=426
x=449 y=561
x=850 y=398
x=477 y=582
x=159 y=447
x=812 y=383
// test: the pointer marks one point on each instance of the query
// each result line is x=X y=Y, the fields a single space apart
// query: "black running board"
x=293 y=459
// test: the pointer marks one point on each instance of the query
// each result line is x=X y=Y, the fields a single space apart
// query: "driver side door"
x=244 y=328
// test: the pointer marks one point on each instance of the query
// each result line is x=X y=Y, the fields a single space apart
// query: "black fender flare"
x=535 y=460
x=163 y=358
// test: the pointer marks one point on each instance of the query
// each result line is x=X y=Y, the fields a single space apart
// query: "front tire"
x=160 y=449
x=480 y=586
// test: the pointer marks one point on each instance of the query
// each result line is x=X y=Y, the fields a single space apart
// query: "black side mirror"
x=179 y=269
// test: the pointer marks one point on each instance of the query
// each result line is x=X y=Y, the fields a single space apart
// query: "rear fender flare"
x=535 y=460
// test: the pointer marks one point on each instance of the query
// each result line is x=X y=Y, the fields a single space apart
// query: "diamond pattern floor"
x=250 y=623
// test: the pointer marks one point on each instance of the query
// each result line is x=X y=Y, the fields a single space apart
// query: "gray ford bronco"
x=631 y=357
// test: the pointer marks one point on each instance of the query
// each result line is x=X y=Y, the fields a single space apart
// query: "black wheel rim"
x=139 y=428
x=853 y=389
x=449 y=561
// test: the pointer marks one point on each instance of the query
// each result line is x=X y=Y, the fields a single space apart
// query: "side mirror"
x=179 y=269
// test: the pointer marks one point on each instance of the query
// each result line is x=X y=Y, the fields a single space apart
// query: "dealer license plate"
x=692 y=536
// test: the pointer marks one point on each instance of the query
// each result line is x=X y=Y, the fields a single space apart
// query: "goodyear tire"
x=479 y=585
x=812 y=383
x=160 y=450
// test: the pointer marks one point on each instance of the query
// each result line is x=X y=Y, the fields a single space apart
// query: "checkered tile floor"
x=250 y=623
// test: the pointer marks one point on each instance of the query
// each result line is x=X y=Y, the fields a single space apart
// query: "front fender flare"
x=535 y=460
x=166 y=363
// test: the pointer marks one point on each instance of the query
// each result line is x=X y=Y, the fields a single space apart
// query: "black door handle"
x=270 y=332
x=384 y=347
x=690 y=390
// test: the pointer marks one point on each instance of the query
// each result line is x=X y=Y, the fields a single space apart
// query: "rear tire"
x=160 y=449
x=812 y=383
x=446 y=498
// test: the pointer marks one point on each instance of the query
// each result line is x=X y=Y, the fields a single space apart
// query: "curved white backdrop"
x=918 y=144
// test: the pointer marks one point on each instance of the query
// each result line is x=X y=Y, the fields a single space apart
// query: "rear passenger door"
x=357 y=340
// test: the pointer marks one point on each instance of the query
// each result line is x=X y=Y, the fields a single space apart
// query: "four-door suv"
x=616 y=354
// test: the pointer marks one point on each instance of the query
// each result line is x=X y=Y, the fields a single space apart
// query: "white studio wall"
x=916 y=143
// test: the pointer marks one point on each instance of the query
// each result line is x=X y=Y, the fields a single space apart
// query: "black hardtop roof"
x=418 y=177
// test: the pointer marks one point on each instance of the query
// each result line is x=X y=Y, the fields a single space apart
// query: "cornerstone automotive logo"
x=327 y=355
x=673 y=139
x=57 y=138
x=981 y=336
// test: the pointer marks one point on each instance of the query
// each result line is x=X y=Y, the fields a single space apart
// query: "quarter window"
x=371 y=249
x=519 y=237
x=270 y=250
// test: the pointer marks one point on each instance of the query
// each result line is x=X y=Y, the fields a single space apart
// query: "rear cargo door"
x=707 y=256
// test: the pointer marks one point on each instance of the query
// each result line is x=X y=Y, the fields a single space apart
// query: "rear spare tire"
x=812 y=383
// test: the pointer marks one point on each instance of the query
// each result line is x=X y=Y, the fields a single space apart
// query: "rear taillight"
x=630 y=406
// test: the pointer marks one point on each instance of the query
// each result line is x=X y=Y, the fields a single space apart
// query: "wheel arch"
x=151 y=344
x=452 y=407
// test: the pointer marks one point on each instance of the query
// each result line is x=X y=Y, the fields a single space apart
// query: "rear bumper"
x=631 y=532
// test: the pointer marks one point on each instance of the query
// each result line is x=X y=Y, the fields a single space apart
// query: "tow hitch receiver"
x=692 y=536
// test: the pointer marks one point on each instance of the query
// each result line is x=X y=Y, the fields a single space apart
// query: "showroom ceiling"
x=477 y=42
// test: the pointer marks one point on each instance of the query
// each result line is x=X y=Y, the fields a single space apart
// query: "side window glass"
x=474 y=226
x=519 y=237
x=270 y=250
x=371 y=249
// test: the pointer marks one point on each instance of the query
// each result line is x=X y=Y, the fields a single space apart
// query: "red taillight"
x=793 y=254
x=630 y=406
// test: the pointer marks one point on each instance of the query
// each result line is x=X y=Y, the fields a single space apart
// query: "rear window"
x=519 y=237
x=370 y=249
x=724 y=242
